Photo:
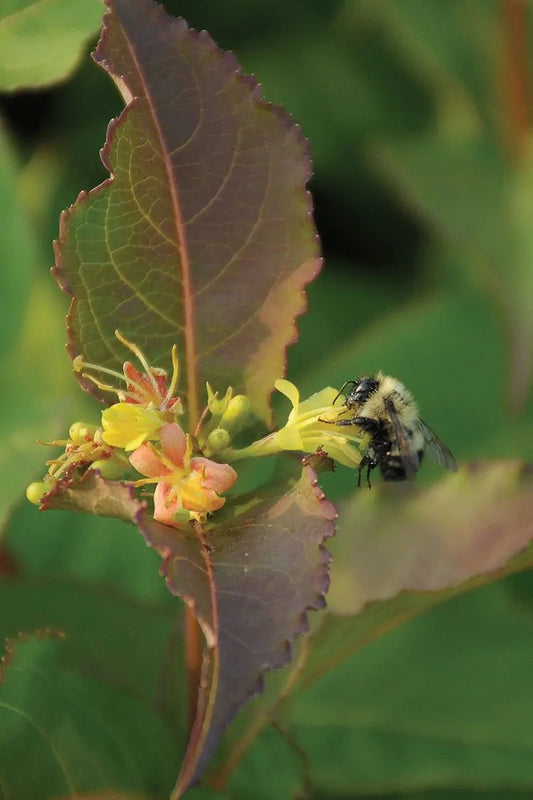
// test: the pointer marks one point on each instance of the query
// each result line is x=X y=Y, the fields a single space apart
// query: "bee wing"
x=436 y=450
x=404 y=444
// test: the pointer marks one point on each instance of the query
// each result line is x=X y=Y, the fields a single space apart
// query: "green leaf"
x=457 y=184
x=250 y=579
x=442 y=702
x=202 y=236
x=30 y=330
x=44 y=547
x=256 y=778
x=59 y=737
x=102 y=628
x=475 y=200
x=449 y=49
x=42 y=41
x=448 y=794
x=18 y=251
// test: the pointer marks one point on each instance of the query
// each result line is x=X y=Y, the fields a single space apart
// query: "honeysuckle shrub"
x=186 y=272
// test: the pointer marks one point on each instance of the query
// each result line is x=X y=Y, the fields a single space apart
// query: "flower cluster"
x=142 y=432
x=142 y=435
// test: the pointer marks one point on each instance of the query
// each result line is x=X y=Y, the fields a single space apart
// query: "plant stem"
x=193 y=661
x=515 y=89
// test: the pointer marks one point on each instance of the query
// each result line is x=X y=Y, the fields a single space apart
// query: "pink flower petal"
x=219 y=477
x=174 y=442
x=165 y=503
x=147 y=462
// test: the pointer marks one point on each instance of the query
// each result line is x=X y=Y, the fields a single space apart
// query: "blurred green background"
x=419 y=119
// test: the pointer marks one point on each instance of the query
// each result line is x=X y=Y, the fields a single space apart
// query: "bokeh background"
x=418 y=115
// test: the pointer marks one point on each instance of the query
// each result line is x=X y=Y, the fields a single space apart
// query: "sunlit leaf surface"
x=41 y=41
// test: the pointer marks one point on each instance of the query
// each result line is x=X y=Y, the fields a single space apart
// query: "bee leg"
x=370 y=426
x=368 y=462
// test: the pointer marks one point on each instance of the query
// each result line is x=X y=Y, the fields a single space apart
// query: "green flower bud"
x=110 y=469
x=236 y=414
x=218 y=440
x=81 y=432
x=36 y=491
x=217 y=406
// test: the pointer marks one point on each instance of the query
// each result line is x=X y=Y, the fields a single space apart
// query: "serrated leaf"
x=41 y=41
x=399 y=554
x=91 y=494
x=250 y=578
x=202 y=236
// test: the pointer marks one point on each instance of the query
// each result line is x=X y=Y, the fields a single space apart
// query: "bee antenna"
x=343 y=387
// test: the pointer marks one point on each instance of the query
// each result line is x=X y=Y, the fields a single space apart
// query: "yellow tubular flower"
x=306 y=431
x=127 y=425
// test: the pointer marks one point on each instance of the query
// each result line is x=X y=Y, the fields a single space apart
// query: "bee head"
x=361 y=391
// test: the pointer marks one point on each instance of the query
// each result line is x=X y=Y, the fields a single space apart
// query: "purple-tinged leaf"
x=202 y=236
x=250 y=577
x=397 y=555
x=399 y=552
x=92 y=494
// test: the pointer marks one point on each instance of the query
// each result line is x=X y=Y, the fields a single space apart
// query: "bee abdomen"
x=393 y=469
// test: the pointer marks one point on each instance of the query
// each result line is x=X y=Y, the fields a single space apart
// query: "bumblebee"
x=385 y=410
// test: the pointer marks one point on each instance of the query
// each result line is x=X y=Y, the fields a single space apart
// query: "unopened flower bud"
x=36 y=491
x=109 y=468
x=218 y=440
x=217 y=406
x=236 y=414
x=80 y=432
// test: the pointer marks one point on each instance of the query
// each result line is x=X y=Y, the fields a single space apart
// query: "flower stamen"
x=175 y=375
x=106 y=387
x=141 y=357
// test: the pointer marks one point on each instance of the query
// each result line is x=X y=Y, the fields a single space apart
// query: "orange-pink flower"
x=184 y=483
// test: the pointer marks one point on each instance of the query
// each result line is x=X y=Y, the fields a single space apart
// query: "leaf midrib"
x=181 y=243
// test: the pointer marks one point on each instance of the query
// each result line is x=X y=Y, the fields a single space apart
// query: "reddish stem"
x=193 y=661
x=516 y=89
